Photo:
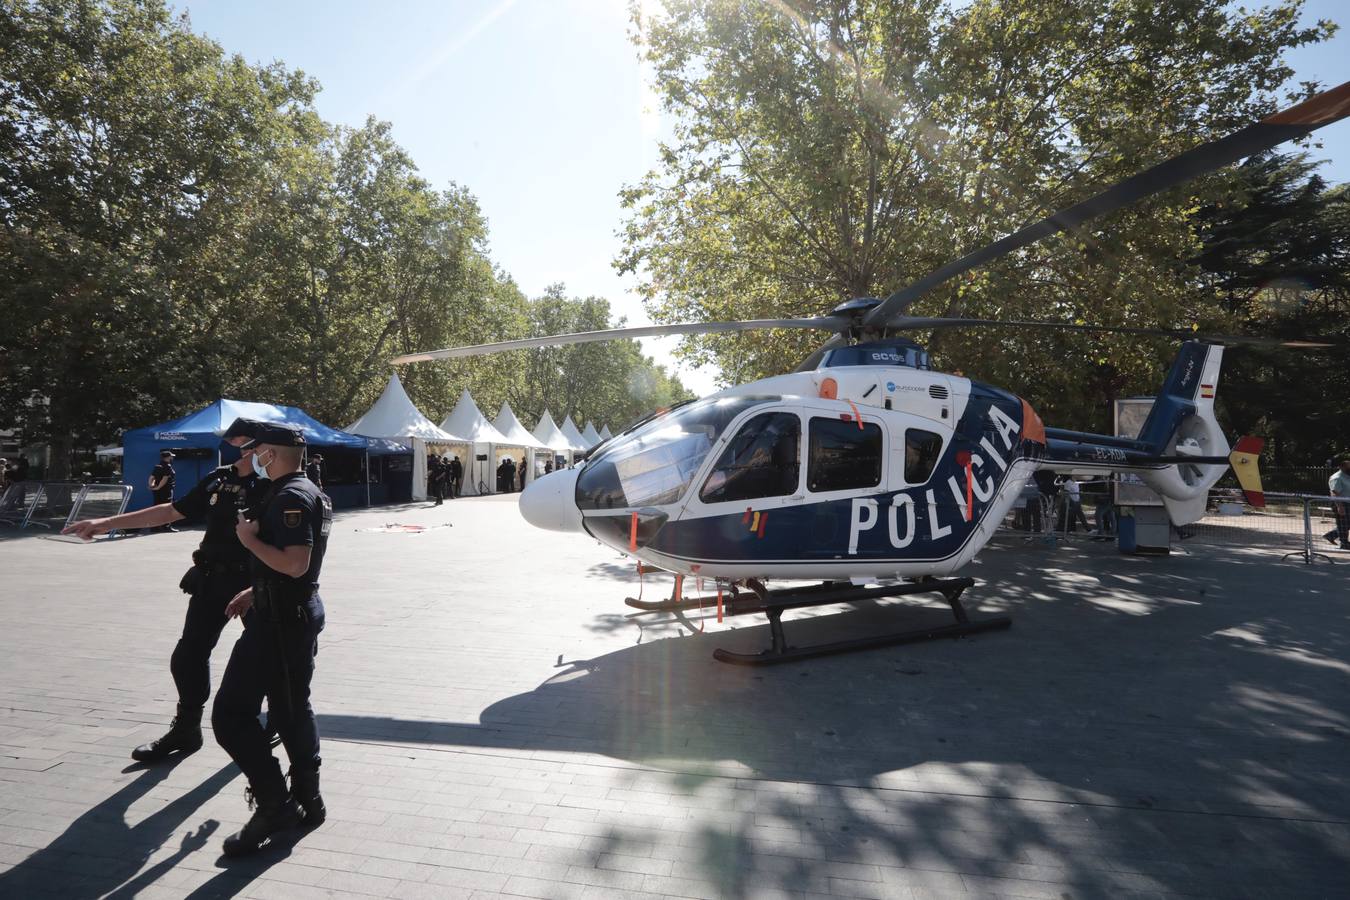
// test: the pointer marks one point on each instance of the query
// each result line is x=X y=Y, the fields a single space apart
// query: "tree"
x=1277 y=252
x=128 y=146
x=828 y=149
x=608 y=381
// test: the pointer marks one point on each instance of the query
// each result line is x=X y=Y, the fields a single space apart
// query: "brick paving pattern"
x=497 y=723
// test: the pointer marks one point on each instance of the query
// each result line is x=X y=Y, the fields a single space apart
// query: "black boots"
x=184 y=736
x=305 y=791
x=273 y=811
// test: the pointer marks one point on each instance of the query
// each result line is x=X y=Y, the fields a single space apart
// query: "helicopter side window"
x=922 y=451
x=760 y=461
x=843 y=456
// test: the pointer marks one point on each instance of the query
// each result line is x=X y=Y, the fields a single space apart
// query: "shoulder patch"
x=291 y=518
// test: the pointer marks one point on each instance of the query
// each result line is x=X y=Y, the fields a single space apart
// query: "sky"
x=541 y=109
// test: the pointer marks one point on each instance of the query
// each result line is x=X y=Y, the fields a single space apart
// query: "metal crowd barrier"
x=15 y=502
x=1296 y=523
x=98 y=501
x=55 y=504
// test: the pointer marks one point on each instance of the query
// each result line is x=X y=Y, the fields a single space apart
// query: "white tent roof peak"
x=395 y=416
x=467 y=420
x=516 y=433
x=590 y=435
x=605 y=433
x=569 y=430
x=548 y=434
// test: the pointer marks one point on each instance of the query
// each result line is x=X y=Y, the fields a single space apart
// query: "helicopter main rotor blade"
x=826 y=323
x=920 y=322
x=1295 y=122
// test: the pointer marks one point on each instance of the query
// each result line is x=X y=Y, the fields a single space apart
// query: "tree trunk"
x=59 y=452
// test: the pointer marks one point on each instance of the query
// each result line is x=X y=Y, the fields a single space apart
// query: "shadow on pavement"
x=99 y=851
x=1146 y=726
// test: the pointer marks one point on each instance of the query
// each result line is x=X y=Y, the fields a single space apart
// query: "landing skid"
x=774 y=603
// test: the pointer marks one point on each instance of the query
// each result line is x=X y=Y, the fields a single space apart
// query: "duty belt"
x=212 y=564
x=281 y=602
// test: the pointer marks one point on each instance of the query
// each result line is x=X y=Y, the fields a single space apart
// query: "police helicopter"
x=867 y=471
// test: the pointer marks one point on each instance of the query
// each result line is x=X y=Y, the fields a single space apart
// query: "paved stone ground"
x=495 y=723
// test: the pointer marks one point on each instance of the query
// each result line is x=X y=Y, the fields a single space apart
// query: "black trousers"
x=190 y=663
x=272 y=659
x=1342 y=530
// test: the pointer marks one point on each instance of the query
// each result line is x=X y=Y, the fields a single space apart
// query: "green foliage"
x=177 y=225
x=1277 y=253
x=828 y=149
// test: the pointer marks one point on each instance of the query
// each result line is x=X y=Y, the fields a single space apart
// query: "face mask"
x=259 y=469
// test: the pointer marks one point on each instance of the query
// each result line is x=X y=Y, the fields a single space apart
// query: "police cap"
x=277 y=434
x=242 y=427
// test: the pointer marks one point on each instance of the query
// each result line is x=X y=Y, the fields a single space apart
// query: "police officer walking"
x=274 y=657
x=219 y=572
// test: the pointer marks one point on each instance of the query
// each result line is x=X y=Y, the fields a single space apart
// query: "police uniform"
x=164 y=470
x=314 y=471
x=274 y=658
x=220 y=569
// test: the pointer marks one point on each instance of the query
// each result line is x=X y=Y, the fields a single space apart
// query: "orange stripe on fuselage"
x=1033 y=429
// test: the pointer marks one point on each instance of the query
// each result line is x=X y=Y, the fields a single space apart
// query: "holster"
x=192 y=580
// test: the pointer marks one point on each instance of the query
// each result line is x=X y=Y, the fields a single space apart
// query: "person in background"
x=161 y=484
x=548 y=466
x=456 y=471
x=314 y=471
x=1030 y=501
x=1338 y=485
x=520 y=474
x=4 y=474
x=1073 y=505
x=436 y=477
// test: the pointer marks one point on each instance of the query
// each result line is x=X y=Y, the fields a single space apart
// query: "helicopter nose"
x=551 y=502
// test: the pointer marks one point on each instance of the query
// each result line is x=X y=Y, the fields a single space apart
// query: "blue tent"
x=199 y=435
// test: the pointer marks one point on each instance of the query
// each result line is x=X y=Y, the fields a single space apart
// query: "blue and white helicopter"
x=870 y=473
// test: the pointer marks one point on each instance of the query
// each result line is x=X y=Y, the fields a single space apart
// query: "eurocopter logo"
x=865 y=510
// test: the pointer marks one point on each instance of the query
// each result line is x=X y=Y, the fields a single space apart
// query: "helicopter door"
x=843 y=461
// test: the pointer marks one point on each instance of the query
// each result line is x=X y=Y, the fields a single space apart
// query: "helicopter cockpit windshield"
x=655 y=464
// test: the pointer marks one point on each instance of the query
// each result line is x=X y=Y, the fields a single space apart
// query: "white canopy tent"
x=590 y=435
x=394 y=416
x=548 y=434
x=605 y=433
x=466 y=419
x=510 y=427
x=569 y=431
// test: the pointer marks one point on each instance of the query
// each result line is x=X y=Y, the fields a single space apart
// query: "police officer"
x=314 y=471
x=161 y=483
x=274 y=657
x=219 y=572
